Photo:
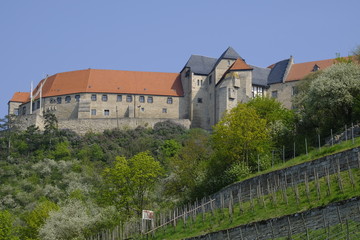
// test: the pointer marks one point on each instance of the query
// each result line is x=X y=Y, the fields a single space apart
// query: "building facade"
x=198 y=96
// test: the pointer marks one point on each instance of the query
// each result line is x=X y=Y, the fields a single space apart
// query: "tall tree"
x=333 y=98
x=280 y=121
x=240 y=136
x=128 y=182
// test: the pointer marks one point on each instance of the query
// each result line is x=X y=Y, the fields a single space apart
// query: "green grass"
x=222 y=219
x=312 y=155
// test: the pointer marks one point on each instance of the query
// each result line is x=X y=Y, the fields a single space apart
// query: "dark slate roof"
x=277 y=72
x=230 y=53
x=260 y=76
x=200 y=64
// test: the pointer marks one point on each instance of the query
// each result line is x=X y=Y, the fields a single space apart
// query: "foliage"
x=6 y=226
x=332 y=99
x=74 y=220
x=128 y=182
x=189 y=166
x=240 y=136
x=280 y=121
x=37 y=218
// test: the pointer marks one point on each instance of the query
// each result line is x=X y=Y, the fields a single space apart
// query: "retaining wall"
x=287 y=226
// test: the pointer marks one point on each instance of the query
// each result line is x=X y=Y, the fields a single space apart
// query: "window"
x=315 y=68
x=67 y=99
x=141 y=99
x=201 y=82
x=106 y=112
x=150 y=100
x=93 y=112
x=119 y=98
x=58 y=100
x=33 y=106
x=24 y=110
x=187 y=74
x=198 y=82
x=16 y=111
x=294 y=91
x=210 y=79
x=257 y=91
x=169 y=100
x=164 y=110
x=142 y=109
x=104 y=98
x=93 y=97
x=129 y=98
x=77 y=98
x=274 y=94
x=38 y=104
x=199 y=100
x=52 y=100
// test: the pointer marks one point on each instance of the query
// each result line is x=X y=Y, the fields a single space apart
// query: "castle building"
x=198 y=96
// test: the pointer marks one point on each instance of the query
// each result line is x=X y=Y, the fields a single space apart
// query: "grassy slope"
x=275 y=205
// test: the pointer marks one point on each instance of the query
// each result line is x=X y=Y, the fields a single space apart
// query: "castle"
x=198 y=96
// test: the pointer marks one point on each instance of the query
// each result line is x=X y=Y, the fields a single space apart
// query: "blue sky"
x=40 y=37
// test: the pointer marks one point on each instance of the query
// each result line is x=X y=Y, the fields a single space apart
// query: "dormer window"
x=315 y=68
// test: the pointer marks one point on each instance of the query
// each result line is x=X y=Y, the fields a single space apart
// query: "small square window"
x=119 y=98
x=93 y=112
x=93 y=97
x=67 y=99
x=274 y=94
x=106 y=112
x=141 y=99
x=150 y=100
x=58 y=100
x=104 y=98
x=164 y=110
x=52 y=100
x=129 y=98
x=169 y=100
x=199 y=100
x=142 y=109
x=77 y=98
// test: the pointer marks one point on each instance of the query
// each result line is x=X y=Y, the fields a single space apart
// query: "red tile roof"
x=239 y=64
x=300 y=70
x=20 y=97
x=111 y=81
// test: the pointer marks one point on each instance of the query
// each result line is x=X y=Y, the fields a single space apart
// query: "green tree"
x=280 y=121
x=37 y=217
x=6 y=226
x=332 y=99
x=128 y=182
x=239 y=137
x=189 y=166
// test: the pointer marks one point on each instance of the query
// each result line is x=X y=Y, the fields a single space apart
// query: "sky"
x=40 y=37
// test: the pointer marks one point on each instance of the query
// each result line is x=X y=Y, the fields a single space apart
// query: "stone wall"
x=284 y=92
x=82 y=126
x=287 y=226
